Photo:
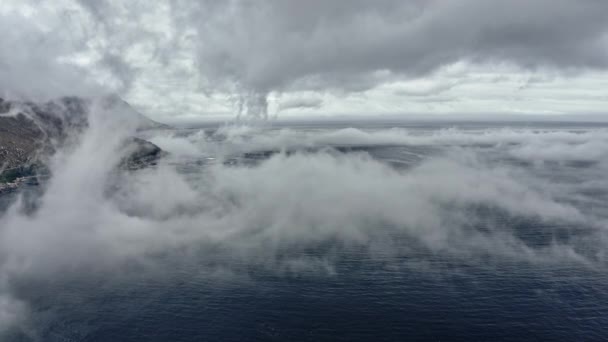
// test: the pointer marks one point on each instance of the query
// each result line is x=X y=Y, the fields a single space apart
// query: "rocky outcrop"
x=144 y=153
x=30 y=132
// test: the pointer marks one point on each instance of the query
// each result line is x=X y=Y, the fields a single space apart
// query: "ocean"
x=316 y=231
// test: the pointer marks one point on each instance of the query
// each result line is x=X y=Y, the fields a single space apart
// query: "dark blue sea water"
x=549 y=284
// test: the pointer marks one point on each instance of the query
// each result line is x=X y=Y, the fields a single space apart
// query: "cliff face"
x=28 y=129
x=31 y=131
x=19 y=141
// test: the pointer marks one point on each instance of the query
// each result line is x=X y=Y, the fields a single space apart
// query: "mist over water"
x=311 y=232
x=263 y=230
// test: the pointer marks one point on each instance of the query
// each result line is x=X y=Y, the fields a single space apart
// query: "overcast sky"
x=183 y=59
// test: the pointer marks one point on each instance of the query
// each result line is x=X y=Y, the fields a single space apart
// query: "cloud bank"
x=92 y=220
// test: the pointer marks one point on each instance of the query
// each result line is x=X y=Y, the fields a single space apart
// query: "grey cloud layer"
x=253 y=48
x=318 y=43
x=354 y=46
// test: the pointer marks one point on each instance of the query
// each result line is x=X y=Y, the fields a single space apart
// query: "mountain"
x=145 y=123
x=30 y=132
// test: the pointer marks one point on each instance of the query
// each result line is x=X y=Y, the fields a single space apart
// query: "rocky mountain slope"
x=30 y=132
